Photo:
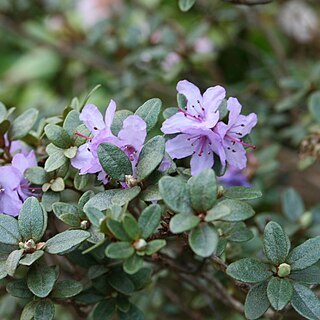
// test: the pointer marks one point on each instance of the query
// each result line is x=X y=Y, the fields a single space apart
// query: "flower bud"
x=306 y=219
x=85 y=224
x=284 y=270
x=140 y=244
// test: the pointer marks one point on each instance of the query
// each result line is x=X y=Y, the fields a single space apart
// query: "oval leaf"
x=279 y=292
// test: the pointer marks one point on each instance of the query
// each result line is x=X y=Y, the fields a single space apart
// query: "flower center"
x=236 y=140
x=130 y=151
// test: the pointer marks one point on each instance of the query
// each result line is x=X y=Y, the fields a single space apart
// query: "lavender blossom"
x=130 y=139
x=194 y=125
x=232 y=134
x=234 y=177
x=14 y=188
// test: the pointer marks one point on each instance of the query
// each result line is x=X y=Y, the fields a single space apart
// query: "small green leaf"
x=150 y=157
x=249 y=270
x=154 y=246
x=114 y=161
x=203 y=240
x=36 y=175
x=65 y=241
x=60 y=208
x=133 y=264
x=81 y=181
x=186 y=5
x=32 y=220
x=95 y=216
x=55 y=160
x=279 y=292
x=203 y=190
x=104 y=310
x=30 y=258
x=117 y=230
x=70 y=219
x=106 y=199
x=132 y=314
x=120 y=281
x=41 y=280
x=66 y=289
x=183 y=222
x=149 y=220
x=131 y=227
x=175 y=194
x=149 y=112
x=71 y=122
x=118 y=119
x=257 y=302
x=314 y=105
x=242 y=193
x=305 y=302
x=292 y=204
x=18 y=288
x=13 y=262
x=70 y=152
x=305 y=255
x=151 y=193
x=310 y=275
x=58 y=136
x=276 y=243
x=230 y=210
x=28 y=311
x=44 y=310
x=23 y=124
x=119 y=250
x=9 y=230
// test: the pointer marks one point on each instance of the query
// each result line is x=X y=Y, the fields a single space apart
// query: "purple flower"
x=232 y=134
x=14 y=188
x=16 y=146
x=195 y=127
x=130 y=139
x=233 y=178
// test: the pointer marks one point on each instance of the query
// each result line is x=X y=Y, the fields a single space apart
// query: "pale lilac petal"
x=133 y=132
x=179 y=123
x=103 y=177
x=10 y=177
x=180 y=146
x=10 y=203
x=92 y=118
x=165 y=163
x=244 y=124
x=234 y=108
x=109 y=115
x=22 y=162
x=200 y=161
x=192 y=93
x=217 y=146
x=85 y=161
x=212 y=99
x=236 y=154
x=221 y=129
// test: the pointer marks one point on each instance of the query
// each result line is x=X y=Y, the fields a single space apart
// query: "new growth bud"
x=284 y=270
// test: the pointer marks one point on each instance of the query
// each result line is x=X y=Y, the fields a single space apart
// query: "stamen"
x=186 y=114
x=2 y=189
x=78 y=134
x=241 y=142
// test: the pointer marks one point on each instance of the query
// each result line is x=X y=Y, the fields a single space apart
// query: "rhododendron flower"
x=234 y=177
x=194 y=125
x=14 y=188
x=232 y=134
x=130 y=139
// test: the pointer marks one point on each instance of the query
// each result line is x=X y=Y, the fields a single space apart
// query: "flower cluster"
x=130 y=139
x=200 y=134
x=14 y=188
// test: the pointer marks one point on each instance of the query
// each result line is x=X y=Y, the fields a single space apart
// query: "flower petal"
x=180 y=147
x=234 y=107
x=179 y=123
x=10 y=203
x=10 y=177
x=92 y=118
x=133 y=132
x=109 y=115
x=200 y=161
x=245 y=124
x=22 y=162
x=235 y=154
x=212 y=99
